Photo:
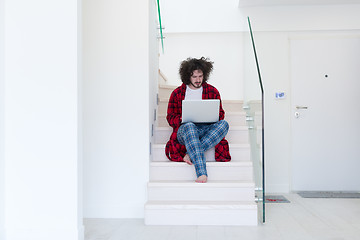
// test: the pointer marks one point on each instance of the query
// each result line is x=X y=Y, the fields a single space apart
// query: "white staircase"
x=228 y=198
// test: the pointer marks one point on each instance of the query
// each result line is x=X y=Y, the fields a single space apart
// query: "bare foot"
x=201 y=179
x=187 y=159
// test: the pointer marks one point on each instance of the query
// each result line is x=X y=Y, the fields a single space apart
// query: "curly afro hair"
x=189 y=65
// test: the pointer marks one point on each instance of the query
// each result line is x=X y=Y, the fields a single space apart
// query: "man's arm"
x=174 y=110
x=221 y=112
x=213 y=93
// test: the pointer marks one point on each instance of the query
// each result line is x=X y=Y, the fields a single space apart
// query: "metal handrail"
x=161 y=74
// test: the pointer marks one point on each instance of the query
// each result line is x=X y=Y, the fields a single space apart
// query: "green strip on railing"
x=256 y=59
x=161 y=34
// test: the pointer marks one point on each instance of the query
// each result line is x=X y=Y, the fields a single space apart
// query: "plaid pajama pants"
x=198 y=138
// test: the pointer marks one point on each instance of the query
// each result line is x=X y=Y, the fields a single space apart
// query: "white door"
x=325 y=76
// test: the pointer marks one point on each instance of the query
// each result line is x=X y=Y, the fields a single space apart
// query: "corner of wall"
x=153 y=69
x=2 y=160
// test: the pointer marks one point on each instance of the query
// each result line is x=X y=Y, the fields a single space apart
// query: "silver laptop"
x=200 y=111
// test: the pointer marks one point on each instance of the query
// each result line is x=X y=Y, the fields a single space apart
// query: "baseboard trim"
x=277 y=188
x=2 y=233
x=113 y=211
x=81 y=232
x=45 y=234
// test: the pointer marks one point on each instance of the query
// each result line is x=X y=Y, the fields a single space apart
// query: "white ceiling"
x=254 y=3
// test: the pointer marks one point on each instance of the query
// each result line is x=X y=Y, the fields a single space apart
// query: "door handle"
x=301 y=107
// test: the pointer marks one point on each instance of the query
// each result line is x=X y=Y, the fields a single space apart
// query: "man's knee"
x=184 y=129
x=188 y=125
x=224 y=125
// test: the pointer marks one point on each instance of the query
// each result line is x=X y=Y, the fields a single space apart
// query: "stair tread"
x=223 y=100
x=209 y=184
x=230 y=128
x=182 y=205
x=208 y=164
x=241 y=113
x=165 y=86
x=231 y=145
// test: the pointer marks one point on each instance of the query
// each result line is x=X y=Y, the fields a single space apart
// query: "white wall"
x=2 y=91
x=153 y=67
x=116 y=107
x=80 y=126
x=303 y=18
x=41 y=120
x=224 y=49
x=273 y=55
x=225 y=16
x=201 y=16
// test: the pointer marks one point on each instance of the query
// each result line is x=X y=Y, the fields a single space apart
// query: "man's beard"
x=195 y=86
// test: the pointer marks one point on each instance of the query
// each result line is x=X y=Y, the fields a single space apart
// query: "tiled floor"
x=303 y=218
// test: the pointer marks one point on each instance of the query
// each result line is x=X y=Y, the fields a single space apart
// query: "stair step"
x=233 y=118
x=192 y=191
x=181 y=171
x=236 y=134
x=201 y=213
x=165 y=91
x=228 y=105
x=255 y=134
x=238 y=152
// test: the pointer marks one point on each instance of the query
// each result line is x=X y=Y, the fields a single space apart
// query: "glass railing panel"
x=253 y=105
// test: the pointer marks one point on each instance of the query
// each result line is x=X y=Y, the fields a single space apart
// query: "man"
x=189 y=141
